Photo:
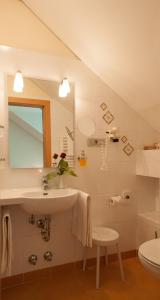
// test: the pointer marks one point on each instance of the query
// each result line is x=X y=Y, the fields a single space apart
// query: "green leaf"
x=71 y=172
x=62 y=168
x=51 y=175
x=63 y=164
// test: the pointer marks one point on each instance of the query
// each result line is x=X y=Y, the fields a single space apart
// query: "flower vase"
x=61 y=183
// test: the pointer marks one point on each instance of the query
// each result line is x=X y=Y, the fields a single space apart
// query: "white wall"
x=0 y=250
x=3 y=121
x=119 y=40
x=3 y=145
x=148 y=226
x=20 y=28
x=90 y=92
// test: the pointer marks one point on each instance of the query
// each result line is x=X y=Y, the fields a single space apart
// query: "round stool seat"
x=104 y=236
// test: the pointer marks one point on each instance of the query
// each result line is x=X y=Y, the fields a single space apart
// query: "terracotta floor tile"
x=78 y=285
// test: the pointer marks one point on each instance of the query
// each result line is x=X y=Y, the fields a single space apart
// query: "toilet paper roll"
x=119 y=200
x=115 y=200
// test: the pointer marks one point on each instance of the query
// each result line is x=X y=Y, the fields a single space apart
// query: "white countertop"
x=14 y=196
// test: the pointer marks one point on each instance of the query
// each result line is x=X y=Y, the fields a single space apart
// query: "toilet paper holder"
x=123 y=199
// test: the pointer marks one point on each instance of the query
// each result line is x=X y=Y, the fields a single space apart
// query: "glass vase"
x=61 y=183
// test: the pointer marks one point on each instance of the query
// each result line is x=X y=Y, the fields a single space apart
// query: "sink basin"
x=49 y=202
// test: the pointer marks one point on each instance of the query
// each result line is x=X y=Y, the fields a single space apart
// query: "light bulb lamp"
x=64 y=88
x=18 y=84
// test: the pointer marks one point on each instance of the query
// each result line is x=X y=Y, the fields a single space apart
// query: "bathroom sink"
x=49 y=202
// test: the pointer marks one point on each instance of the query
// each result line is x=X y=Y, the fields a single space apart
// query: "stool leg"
x=120 y=262
x=106 y=256
x=98 y=267
x=84 y=258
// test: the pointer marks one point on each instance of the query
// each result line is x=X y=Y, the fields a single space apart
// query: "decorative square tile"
x=128 y=149
x=124 y=139
x=103 y=106
x=108 y=117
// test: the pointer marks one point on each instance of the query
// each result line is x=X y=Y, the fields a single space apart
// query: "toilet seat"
x=149 y=256
x=147 y=261
x=150 y=251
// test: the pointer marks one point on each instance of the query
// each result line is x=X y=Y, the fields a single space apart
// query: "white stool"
x=103 y=236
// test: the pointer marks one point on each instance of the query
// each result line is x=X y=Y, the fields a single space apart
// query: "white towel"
x=81 y=219
x=6 y=243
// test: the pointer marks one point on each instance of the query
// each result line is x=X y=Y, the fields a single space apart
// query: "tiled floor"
x=74 y=284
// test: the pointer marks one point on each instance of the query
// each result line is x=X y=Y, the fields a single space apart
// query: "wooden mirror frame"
x=45 y=106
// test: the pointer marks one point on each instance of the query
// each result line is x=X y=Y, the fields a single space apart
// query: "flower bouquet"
x=61 y=167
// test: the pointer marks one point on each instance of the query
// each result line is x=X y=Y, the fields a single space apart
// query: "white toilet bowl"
x=149 y=256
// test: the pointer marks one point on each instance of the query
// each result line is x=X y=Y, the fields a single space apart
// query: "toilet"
x=149 y=256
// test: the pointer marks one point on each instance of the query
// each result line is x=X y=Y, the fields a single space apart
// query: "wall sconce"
x=18 y=84
x=64 y=88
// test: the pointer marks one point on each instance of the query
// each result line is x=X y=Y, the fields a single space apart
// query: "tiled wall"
x=0 y=251
x=90 y=93
x=147 y=229
x=3 y=122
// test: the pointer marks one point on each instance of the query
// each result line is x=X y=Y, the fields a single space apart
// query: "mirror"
x=40 y=123
x=86 y=126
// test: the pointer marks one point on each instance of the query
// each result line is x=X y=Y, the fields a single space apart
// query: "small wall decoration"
x=103 y=106
x=108 y=117
x=128 y=149
x=124 y=139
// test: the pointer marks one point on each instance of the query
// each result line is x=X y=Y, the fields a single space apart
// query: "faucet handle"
x=44 y=183
x=44 y=179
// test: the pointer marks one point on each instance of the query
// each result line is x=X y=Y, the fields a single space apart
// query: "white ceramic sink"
x=49 y=202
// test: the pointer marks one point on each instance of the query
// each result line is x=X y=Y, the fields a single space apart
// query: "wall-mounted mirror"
x=40 y=123
x=86 y=126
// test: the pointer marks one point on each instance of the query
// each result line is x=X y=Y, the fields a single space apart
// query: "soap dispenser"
x=82 y=159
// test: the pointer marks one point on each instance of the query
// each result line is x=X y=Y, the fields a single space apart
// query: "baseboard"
x=24 y=278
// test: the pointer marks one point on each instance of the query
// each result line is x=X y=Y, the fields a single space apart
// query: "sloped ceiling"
x=117 y=39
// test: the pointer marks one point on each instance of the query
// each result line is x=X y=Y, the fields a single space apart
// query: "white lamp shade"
x=18 y=84
x=64 y=88
x=62 y=92
x=66 y=85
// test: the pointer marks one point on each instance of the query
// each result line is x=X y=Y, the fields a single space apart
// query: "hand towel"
x=81 y=219
x=6 y=243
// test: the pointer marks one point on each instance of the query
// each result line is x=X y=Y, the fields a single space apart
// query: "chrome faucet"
x=44 y=183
